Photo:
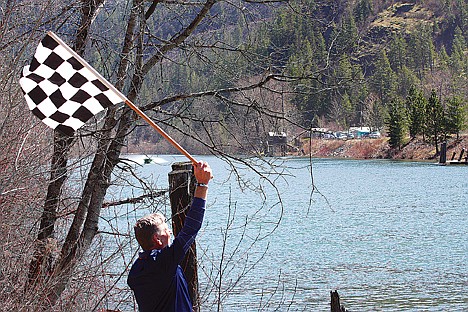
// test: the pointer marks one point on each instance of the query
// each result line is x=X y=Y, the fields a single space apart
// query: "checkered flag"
x=62 y=89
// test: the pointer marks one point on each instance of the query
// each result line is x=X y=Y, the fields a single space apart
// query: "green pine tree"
x=397 y=54
x=406 y=79
x=348 y=110
x=344 y=37
x=458 y=59
x=416 y=105
x=455 y=116
x=384 y=79
x=421 y=50
x=362 y=11
x=443 y=59
x=435 y=120
x=396 y=124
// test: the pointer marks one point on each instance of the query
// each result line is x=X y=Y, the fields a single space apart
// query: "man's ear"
x=157 y=241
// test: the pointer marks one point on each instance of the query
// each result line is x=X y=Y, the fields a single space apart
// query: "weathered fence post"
x=181 y=188
x=443 y=153
x=335 y=302
x=461 y=155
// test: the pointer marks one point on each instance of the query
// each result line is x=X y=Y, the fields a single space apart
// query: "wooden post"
x=335 y=302
x=461 y=155
x=181 y=188
x=443 y=153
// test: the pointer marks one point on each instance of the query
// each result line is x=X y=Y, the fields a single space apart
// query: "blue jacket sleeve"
x=192 y=225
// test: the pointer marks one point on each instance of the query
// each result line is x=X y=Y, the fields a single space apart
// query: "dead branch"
x=134 y=200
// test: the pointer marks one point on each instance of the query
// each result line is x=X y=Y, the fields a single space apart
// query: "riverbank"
x=379 y=149
x=367 y=148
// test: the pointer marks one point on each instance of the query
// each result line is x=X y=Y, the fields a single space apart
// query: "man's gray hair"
x=146 y=227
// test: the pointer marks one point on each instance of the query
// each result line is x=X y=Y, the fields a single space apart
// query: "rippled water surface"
x=389 y=236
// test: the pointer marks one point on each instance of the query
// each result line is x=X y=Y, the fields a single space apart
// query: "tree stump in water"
x=335 y=302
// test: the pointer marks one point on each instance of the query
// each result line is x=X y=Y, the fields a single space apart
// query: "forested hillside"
x=353 y=63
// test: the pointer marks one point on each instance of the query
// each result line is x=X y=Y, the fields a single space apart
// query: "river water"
x=388 y=235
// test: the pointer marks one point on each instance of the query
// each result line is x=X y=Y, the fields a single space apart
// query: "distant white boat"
x=144 y=159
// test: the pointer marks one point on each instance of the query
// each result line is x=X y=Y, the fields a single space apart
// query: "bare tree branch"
x=134 y=200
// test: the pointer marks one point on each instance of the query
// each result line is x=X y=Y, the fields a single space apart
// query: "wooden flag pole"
x=161 y=131
x=124 y=98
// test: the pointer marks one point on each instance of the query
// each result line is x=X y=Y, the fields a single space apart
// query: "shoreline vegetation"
x=367 y=148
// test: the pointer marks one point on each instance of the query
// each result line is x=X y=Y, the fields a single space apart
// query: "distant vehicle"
x=350 y=136
x=374 y=135
x=328 y=136
x=341 y=136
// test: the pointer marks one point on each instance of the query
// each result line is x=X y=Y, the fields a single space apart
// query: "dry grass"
x=404 y=16
x=361 y=149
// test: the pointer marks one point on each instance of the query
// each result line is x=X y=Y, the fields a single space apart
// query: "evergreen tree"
x=351 y=90
x=306 y=61
x=320 y=47
x=302 y=62
x=384 y=79
x=406 y=79
x=463 y=8
x=282 y=39
x=421 y=50
x=458 y=59
x=435 y=120
x=396 y=124
x=414 y=53
x=429 y=50
x=374 y=113
x=344 y=37
x=362 y=11
x=416 y=105
x=397 y=54
x=443 y=58
x=348 y=110
x=359 y=93
x=455 y=116
x=342 y=77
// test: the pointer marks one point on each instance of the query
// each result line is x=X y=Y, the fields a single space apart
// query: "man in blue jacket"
x=156 y=277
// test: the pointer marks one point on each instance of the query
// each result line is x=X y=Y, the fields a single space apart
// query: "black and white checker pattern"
x=61 y=91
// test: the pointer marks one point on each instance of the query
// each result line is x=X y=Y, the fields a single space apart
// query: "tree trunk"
x=117 y=123
x=62 y=144
x=58 y=176
x=85 y=223
x=181 y=188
